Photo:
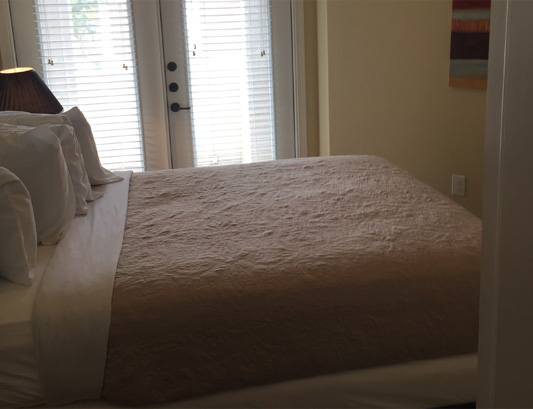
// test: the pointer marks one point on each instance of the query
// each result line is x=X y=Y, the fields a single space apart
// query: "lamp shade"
x=22 y=89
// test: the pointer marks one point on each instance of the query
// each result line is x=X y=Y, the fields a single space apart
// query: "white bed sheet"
x=73 y=305
x=76 y=276
x=18 y=359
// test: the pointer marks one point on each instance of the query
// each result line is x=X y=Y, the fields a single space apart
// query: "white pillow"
x=71 y=151
x=98 y=175
x=18 y=239
x=36 y=157
x=73 y=158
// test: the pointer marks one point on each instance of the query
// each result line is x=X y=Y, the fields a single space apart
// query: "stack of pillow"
x=47 y=166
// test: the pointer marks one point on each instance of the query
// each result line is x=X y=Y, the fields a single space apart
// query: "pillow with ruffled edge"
x=98 y=175
x=18 y=240
x=71 y=151
x=36 y=158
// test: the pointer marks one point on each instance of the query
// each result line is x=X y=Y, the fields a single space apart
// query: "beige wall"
x=386 y=90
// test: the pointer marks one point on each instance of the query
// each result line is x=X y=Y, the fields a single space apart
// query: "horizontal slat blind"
x=88 y=56
x=229 y=59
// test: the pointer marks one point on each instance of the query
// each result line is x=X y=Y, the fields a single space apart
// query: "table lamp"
x=22 y=89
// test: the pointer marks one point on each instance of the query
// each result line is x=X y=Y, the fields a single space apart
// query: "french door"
x=215 y=77
x=229 y=74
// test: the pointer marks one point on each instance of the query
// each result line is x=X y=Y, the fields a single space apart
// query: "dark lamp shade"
x=21 y=89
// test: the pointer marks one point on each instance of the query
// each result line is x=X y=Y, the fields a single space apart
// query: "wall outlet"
x=458 y=185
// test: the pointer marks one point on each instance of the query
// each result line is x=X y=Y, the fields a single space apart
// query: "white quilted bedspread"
x=243 y=275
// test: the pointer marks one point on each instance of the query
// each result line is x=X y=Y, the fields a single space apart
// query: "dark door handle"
x=175 y=107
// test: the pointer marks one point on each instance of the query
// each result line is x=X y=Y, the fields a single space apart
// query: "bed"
x=293 y=274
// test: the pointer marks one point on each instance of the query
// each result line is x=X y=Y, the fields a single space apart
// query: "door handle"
x=175 y=107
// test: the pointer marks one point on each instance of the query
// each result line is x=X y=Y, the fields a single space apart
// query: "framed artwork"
x=469 y=51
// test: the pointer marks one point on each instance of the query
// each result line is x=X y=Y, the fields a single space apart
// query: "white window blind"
x=88 y=56
x=229 y=61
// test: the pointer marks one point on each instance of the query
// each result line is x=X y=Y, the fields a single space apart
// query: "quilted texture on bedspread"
x=243 y=275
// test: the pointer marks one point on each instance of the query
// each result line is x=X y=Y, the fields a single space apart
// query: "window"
x=88 y=56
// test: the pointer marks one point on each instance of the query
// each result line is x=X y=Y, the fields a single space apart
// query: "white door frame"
x=300 y=105
x=506 y=305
